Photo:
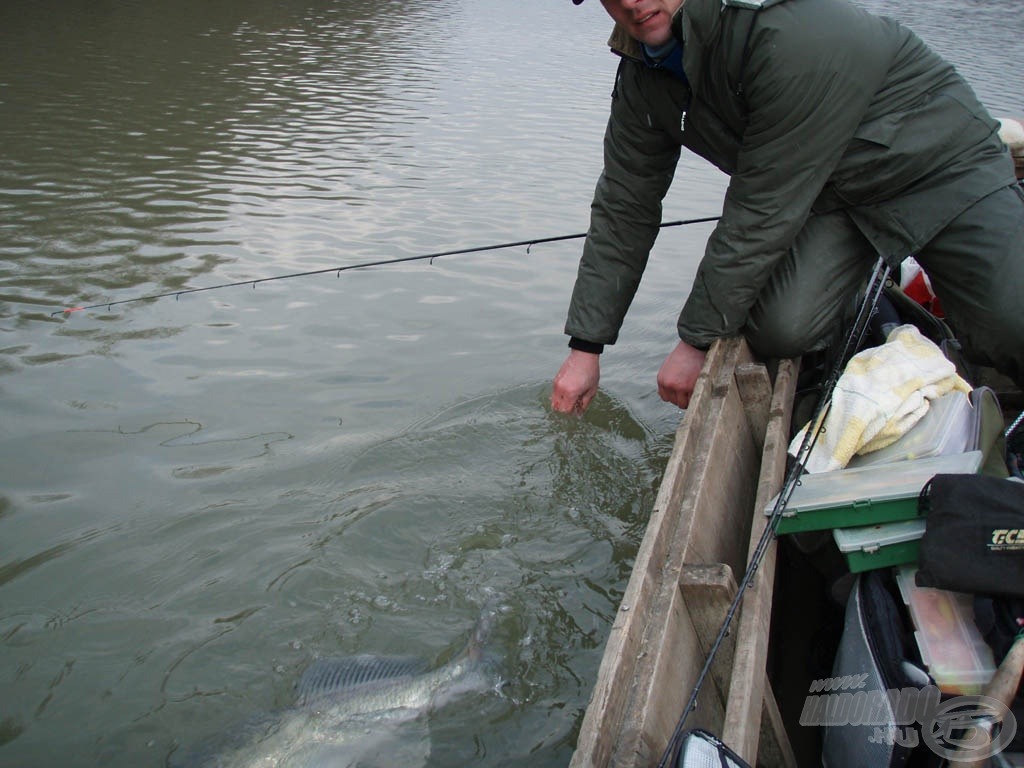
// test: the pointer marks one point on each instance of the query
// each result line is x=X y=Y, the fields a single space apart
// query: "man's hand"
x=576 y=382
x=679 y=373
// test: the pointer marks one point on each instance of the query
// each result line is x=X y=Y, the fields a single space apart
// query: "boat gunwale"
x=682 y=581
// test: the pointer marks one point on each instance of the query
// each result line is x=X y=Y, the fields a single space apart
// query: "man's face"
x=646 y=20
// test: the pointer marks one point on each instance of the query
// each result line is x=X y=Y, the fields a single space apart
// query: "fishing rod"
x=364 y=265
x=876 y=285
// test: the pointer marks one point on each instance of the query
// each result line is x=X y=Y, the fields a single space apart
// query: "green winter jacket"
x=809 y=106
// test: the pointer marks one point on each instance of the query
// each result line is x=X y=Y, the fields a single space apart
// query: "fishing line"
x=876 y=285
x=363 y=265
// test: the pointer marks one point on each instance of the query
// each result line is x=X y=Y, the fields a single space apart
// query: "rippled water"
x=198 y=496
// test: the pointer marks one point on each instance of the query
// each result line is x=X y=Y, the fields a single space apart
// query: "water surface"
x=198 y=496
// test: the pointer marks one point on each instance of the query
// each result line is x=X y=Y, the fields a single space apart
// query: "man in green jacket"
x=845 y=138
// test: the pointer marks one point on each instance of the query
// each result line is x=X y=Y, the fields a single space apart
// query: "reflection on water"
x=199 y=496
x=153 y=142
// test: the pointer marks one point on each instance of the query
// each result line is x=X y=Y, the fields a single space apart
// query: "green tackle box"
x=879 y=546
x=882 y=493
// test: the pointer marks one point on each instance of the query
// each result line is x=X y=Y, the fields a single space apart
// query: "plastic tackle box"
x=957 y=657
x=883 y=493
x=880 y=546
x=948 y=427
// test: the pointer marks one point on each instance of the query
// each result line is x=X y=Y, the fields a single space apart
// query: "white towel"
x=1012 y=134
x=883 y=392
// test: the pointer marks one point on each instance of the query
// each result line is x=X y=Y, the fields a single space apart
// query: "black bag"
x=974 y=539
x=876 y=651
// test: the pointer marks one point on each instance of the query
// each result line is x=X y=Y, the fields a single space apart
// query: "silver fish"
x=357 y=711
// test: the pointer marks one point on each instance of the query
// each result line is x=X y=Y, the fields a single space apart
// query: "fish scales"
x=355 y=711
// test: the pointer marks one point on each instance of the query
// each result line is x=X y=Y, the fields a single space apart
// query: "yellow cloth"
x=883 y=392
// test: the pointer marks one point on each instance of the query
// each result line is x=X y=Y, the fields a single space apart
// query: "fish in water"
x=357 y=711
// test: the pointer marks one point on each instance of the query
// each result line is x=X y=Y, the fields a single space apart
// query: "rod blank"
x=362 y=265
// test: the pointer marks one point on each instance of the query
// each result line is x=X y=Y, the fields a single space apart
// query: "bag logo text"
x=1004 y=539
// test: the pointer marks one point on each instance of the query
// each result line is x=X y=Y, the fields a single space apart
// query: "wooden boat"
x=728 y=462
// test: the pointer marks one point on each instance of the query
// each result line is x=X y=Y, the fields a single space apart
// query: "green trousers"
x=975 y=264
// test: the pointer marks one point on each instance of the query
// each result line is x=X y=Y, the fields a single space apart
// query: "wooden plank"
x=741 y=730
x=756 y=392
x=708 y=591
x=675 y=654
x=714 y=510
x=658 y=642
x=673 y=658
x=604 y=725
x=774 y=749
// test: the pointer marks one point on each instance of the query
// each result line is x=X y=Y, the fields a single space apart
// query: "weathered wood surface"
x=684 y=576
x=750 y=692
x=756 y=393
x=708 y=591
x=605 y=720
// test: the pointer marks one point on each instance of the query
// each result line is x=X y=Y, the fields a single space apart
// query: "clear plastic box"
x=957 y=656
x=948 y=427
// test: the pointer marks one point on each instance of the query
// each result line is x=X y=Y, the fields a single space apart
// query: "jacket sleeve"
x=807 y=85
x=639 y=163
